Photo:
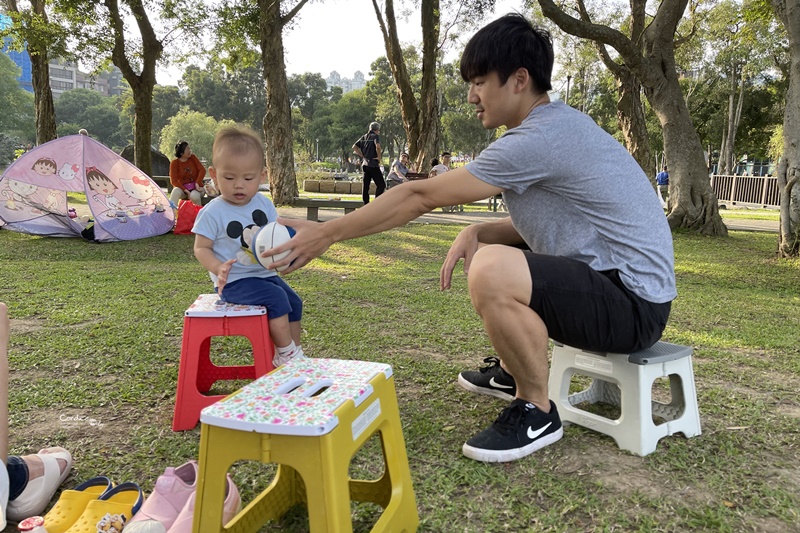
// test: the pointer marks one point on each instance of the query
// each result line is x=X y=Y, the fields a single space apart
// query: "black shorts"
x=592 y=310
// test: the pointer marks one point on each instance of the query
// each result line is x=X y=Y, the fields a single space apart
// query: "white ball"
x=268 y=237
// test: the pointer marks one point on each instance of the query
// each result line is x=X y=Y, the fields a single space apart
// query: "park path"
x=470 y=217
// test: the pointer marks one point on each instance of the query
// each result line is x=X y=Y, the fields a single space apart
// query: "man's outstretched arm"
x=394 y=208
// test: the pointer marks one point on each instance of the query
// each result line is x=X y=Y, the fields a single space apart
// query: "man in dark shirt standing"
x=369 y=148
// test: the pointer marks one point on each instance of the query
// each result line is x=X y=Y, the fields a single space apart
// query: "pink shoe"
x=173 y=489
x=231 y=507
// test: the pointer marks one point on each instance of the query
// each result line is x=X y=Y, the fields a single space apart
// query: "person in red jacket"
x=186 y=174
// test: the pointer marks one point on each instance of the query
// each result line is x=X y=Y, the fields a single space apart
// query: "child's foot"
x=281 y=359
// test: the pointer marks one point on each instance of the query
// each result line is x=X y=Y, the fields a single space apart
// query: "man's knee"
x=499 y=271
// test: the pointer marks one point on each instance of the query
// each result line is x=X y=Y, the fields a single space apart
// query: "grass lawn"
x=95 y=343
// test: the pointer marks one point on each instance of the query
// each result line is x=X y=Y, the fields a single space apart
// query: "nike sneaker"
x=520 y=430
x=491 y=380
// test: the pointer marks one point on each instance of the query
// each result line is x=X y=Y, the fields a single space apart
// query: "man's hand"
x=222 y=274
x=464 y=247
x=310 y=241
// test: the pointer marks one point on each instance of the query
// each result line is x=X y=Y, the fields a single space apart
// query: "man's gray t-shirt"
x=572 y=190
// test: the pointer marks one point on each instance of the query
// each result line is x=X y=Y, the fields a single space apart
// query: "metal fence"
x=750 y=191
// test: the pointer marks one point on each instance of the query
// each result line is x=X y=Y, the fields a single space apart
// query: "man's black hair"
x=507 y=44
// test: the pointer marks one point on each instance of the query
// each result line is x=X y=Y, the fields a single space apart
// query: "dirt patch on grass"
x=33 y=325
x=75 y=424
x=622 y=474
x=790 y=410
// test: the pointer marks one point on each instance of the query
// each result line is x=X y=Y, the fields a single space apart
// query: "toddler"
x=223 y=231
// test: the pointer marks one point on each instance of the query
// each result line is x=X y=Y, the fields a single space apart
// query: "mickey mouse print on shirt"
x=244 y=234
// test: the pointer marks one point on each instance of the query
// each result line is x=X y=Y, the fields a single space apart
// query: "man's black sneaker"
x=520 y=430
x=491 y=380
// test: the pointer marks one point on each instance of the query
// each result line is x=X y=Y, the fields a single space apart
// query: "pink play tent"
x=124 y=202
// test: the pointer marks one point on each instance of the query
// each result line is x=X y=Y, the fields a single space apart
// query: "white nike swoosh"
x=495 y=384
x=533 y=434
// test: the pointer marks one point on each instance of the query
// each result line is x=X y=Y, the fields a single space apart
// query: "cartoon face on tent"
x=124 y=202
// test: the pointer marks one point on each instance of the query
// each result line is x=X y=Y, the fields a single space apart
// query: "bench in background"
x=312 y=205
x=163 y=182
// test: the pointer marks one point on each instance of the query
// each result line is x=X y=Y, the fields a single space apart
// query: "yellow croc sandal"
x=71 y=504
x=111 y=511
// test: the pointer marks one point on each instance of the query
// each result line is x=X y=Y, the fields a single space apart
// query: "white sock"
x=287 y=350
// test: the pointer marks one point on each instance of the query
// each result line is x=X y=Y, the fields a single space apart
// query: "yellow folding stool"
x=310 y=417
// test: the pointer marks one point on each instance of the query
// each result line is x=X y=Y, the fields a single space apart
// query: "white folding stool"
x=626 y=380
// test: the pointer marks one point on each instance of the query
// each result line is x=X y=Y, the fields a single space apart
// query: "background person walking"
x=369 y=148
x=662 y=183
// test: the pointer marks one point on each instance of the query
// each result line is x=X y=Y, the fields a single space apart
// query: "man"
x=369 y=148
x=442 y=167
x=662 y=183
x=398 y=171
x=439 y=169
x=599 y=274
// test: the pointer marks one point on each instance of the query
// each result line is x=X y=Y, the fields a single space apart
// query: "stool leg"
x=329 y=501
x=186 y=414
x=682 y=413
x=263 y=348
x=212 y=482
x=401 y=491
x=393 y=490
x=219 y=449
x=205 y=374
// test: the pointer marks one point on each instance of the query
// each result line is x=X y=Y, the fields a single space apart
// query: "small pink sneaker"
x=173 y=489
x=231 y=507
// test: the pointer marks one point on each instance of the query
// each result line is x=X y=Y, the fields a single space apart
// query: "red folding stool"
x=209 y=317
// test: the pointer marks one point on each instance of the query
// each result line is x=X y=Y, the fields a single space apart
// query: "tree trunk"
x=141 y=83
x=728 y=135
x=45 y=115
x=142 y=131
x=736 y=120
x=630 y=115
x=429 y=106
x=278 y=118
x=724 y=168
x=630 y=112
x=43 y=97
x=788 y=12
x=651 y=58
x=692 y=203
x=420 y=121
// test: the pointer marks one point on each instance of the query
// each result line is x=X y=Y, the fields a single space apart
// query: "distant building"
x=20 y=58
x=347 y=84
x=64 y=75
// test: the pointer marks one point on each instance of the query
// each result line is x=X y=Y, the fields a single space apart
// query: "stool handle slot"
x=313 y=389
x=318 y=388
x=290 y=386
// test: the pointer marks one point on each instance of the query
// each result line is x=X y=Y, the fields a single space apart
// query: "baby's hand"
x=222 y=274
